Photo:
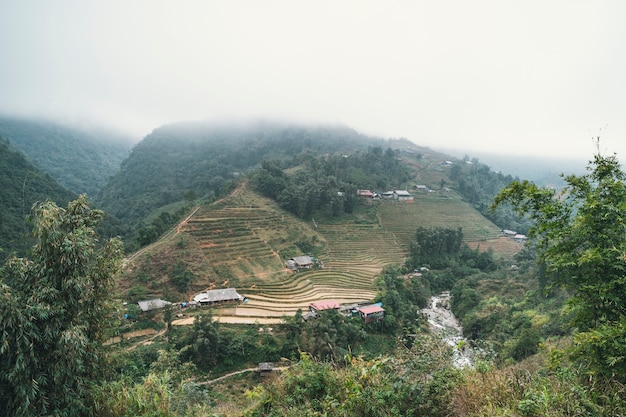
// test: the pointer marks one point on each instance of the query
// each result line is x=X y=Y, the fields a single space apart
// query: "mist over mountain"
x=191 y=162
x=544 y=171
x=200 y=159
x=22 y=185
x=79 y=158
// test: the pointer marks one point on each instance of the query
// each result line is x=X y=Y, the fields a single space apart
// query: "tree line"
x=328 y=184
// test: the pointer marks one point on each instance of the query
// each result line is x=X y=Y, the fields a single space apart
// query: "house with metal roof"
x=318 y=306
x=155 y=304
x=373 y=312
x=400 y=195
x=218 y=296
x=299 y=262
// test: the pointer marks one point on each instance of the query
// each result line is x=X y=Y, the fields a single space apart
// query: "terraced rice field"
x=403 y=218
x=238 y=237
x=230 y=237
x=245 y=233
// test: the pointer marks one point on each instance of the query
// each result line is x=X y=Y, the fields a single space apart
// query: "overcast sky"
x=515 y=77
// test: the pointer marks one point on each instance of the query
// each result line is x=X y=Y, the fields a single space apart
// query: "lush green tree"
x=203 y=349
x=414 y=382
x=464 y=298
x=581 y=239
x=328 y=183
x=181 y=277
x=401 y=299
x=527 y=344
x=435 y=246
x=55 y=311
x=330 y=336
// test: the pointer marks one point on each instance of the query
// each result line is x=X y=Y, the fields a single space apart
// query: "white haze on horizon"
x=527 y=78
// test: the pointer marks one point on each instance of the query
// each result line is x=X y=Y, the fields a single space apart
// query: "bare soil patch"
x=131 y=335
x=231 y=320
x=502 y=245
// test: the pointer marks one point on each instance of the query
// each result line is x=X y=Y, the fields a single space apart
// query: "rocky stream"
x=448 y=327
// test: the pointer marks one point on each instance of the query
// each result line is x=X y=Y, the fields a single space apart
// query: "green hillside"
x=294 y=193
x=81 y=160
x=244 y=240
x=199 y=160
x=22 y=185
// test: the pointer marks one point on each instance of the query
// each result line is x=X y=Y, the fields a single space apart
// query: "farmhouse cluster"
x=367 y=311
x=400 y=195
x=206 y=298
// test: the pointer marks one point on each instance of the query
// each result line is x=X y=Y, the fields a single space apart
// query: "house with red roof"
x=318 y=306
x=373 y=312
x=365 y=193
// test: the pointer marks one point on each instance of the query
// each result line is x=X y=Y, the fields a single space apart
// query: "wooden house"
x=300 y=262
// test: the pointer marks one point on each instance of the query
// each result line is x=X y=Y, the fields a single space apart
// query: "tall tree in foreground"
x=54 y=311
x=581 y=237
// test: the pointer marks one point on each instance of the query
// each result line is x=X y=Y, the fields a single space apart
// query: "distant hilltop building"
x=400 y=195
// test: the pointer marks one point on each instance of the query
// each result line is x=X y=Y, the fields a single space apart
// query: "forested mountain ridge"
x=80 y=159
x=22 y=185
x=199 y=159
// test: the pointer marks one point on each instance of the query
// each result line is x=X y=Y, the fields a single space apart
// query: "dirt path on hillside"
x=223 y=377
x=176 y=229
x=154 y=333
x=231 y=320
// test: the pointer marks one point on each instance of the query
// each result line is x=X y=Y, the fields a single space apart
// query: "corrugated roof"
x=303 y=260
x=371 y=309
x=212 y=296
x=155 y=304
x=325 y=305
x=402 y=192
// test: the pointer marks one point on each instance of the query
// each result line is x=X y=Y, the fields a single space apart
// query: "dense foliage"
x=416 y=381
x=22 y=185
x=81 y=160
x=200 y=158
x=152 y=228
x=581 y=240
x=54 y=315
x=329 y=183
x=435 y=247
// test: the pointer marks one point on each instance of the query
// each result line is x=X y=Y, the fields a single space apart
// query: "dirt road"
x=231 y=320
